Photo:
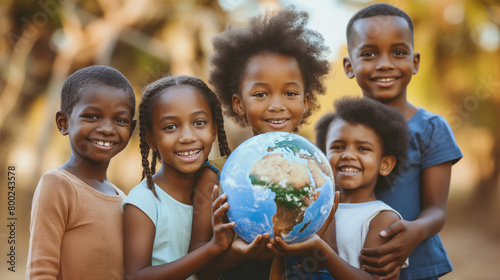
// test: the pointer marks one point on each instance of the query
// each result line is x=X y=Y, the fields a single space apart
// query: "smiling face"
x=100 y=124
x=356 y=155
x=182 y=129
x=272 y=96
x=381 y=58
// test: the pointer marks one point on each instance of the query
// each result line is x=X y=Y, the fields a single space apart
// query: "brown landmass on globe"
x=291 y=183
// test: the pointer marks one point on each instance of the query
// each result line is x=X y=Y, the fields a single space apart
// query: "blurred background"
x=44 y=41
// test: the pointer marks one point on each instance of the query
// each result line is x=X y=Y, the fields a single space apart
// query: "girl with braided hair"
x=180 y=118
x=268 y=76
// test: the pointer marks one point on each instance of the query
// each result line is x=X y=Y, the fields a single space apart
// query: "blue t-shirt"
x=431 y=143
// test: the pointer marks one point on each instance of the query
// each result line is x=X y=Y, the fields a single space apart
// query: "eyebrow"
x=91 y=107
x=287 y=83
x=364 y=46
x=166 y=117
x=356 y=142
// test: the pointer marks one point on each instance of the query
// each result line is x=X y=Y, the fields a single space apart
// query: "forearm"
x=223 y=262
x=435 y=189
x=336 y=266
x=181 y=268
x=430 y=222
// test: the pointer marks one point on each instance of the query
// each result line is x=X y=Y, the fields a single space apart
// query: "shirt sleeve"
x=49 y=218
x=440 y=146
x=144 y=199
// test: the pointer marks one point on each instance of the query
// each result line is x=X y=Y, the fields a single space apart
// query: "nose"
x=384 y=63
x=106 y=127
x=347 y=155
x=187 y=134
x=276 y=103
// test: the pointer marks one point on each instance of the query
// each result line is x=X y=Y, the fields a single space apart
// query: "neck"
x=404 y=107
x=87 y=171
x=178 y=185
x=357 y=196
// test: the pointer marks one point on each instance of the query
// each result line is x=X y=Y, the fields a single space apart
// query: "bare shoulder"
x=207 y=178
x=207 y=174
x=378 y=223
x=384 y=219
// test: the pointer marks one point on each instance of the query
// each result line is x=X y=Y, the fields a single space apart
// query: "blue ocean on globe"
x=279 y=183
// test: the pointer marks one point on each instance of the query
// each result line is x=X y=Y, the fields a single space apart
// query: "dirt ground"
x=471 y=237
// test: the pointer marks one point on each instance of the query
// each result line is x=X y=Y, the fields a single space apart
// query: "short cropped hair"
x=283 y=32
x=387 y=122
x=93 y=75
x=379 y=9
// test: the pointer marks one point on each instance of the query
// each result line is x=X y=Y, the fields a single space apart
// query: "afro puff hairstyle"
x=387 y=122
x=93 y=75
x=282 y=32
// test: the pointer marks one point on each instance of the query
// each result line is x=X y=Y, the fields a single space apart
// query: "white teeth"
x=102 y=143
x=190 y=153
x=385 y=80
x=349 y=169
x=277 y=121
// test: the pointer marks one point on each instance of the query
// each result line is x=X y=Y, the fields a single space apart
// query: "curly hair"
x=93 y=75
x=283 y=32
x=388 y=123
x=378 y=9
x=150 y=96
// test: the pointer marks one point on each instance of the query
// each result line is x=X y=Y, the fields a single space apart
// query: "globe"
x=278 y=183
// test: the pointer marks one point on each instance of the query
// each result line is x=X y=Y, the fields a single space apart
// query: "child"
x=267 y=75
x=76 y=201
x=382 y=59
x=363 y=140
x=180 y=118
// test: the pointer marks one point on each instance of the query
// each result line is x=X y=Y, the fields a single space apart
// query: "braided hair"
x=150 y=96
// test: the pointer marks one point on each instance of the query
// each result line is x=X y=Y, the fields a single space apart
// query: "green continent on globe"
x=292 y=185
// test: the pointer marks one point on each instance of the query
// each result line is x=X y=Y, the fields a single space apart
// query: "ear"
x=349 y=72
x=387 y=164
x=416 y=62
x=151 y=141
x=214 y=131
x=62 y=121
x=307 y=100
x=132 y=126
x=238 y=107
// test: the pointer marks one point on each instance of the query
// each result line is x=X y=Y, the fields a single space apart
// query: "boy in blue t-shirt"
x=382 y=59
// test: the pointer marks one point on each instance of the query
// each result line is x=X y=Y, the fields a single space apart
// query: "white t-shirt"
x=352 y=222
x=172 y=220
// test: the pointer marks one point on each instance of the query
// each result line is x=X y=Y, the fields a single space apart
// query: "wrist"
x=419 y=229
x=213 y=249
x=322 y=251
x=236 y=253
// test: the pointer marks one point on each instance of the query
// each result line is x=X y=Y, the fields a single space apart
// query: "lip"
x=348 y=170
x=278 y=124
x=188 y=155
x=384 y=81
x=103 y=144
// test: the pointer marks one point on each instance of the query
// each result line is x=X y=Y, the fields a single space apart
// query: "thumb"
x=393 y=229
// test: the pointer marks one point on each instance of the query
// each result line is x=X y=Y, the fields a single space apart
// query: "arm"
x=406 y=235
x=139 y=233
x=328 y=231
x=202 y=230
x=326 y=257
x=49 y=217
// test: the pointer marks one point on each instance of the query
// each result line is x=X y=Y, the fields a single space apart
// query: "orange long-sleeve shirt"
x=76 y=231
